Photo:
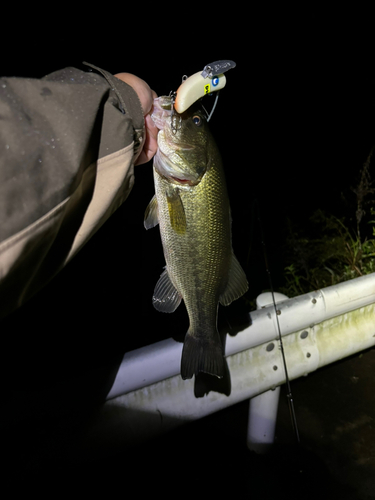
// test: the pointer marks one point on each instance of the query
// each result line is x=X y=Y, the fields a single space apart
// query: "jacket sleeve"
x=68 y=143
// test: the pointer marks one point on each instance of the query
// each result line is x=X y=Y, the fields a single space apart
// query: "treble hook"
x=175 y=122
x=175 y=117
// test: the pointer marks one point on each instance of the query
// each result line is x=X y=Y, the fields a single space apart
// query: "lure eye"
x=197 y=120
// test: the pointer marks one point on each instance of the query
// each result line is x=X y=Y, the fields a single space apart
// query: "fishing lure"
x=210 y=80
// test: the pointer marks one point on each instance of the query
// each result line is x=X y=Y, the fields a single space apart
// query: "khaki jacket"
x=68 y=143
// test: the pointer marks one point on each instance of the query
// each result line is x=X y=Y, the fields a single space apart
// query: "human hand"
x=146 y=96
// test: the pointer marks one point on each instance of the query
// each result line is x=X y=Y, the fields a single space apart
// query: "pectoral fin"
x=151 y=214
x=176 y=211
x=237 y=283
x=166 y=297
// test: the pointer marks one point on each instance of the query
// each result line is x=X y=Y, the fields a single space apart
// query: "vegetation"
x=332 y=249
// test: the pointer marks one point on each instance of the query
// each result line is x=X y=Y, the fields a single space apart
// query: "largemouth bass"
x=192 y=208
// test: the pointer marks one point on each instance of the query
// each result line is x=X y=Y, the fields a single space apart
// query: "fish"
x=191 y=206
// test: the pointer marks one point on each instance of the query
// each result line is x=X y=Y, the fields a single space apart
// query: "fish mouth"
x=171 y=171
x=160 y=113
x=182 y=181
x=163 y=117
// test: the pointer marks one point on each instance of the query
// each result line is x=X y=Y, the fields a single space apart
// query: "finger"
x=150 y=145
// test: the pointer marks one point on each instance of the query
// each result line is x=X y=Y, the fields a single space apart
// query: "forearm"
x=68 y=143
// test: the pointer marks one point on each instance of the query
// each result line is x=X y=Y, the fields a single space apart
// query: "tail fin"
x=200 y=354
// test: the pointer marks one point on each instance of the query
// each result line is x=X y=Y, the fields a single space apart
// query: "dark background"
x=294 y=124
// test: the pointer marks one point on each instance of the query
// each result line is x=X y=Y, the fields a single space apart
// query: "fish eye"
x=197 y=120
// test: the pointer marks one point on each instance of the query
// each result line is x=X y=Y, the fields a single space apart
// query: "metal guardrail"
x=149 y=397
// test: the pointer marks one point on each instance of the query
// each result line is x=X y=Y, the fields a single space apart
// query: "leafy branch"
x=329 y=251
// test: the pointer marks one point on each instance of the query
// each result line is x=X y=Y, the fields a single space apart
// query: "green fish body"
x=191 y=206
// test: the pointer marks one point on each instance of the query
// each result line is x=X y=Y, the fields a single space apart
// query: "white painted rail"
x=159 y=361
x=149 y=397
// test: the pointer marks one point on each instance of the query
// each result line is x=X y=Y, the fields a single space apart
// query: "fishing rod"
x=289 y=394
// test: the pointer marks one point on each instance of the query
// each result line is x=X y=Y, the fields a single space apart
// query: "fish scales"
x=204 y=248
x=195 y=228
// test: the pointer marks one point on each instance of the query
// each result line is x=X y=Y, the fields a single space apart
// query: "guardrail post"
x=263 y=408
